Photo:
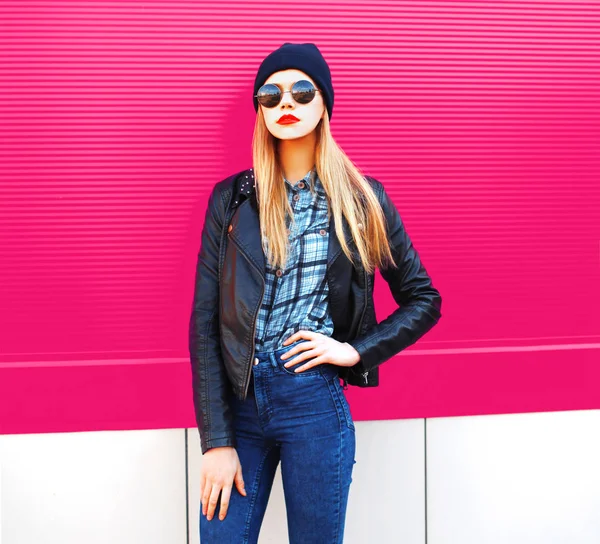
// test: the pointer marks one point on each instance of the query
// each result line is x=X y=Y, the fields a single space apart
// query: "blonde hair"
x=348 y=194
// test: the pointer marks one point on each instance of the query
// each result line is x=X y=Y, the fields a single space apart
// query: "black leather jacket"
x=228 y=292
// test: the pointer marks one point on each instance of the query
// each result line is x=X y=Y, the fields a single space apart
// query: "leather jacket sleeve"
x=211 y=388
x=419 y=302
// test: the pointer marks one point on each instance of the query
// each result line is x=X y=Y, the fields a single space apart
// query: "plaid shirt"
x=295 y=297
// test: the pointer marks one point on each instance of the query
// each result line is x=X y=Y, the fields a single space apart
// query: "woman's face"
x=308 y=115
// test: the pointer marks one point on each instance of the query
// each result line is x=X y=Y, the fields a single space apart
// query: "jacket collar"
x=245 y=223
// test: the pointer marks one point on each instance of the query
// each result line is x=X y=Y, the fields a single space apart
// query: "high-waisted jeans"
x=303 y=420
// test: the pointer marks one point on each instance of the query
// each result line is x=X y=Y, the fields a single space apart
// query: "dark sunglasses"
x=270 y=94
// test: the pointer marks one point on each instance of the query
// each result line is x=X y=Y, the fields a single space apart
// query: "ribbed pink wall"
x=482 y=120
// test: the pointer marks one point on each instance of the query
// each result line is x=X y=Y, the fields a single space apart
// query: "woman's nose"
x=287 y=101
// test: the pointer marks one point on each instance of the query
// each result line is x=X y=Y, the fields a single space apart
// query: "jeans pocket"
x=314 y=371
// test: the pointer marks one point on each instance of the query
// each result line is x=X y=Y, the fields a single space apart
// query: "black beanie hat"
x=302 y=56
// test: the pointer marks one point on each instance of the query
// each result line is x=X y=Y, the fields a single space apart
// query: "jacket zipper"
x=249 y=375
x=364 y=374
x=249 y=363
x=344 y=380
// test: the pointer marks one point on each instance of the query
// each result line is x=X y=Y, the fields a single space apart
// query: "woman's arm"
x=211 y=388
x=419 y=302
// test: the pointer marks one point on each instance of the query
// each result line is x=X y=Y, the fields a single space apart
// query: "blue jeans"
x=304 y=421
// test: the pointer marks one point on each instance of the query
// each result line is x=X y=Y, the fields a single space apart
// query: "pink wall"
x=482 y=120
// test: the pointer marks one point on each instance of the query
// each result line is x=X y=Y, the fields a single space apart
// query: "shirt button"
x=278 y=273
x=301 y=184
x=296 y=197
x=322 y=232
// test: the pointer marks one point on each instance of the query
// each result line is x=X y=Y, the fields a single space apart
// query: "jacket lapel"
x=246 y=232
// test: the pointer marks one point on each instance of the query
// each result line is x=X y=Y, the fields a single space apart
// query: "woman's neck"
x=297 y=157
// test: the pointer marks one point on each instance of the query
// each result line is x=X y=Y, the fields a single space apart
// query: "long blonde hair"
x=348 y=194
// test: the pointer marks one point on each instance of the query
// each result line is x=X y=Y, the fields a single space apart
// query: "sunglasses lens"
x=303 y=91
x=269 y=95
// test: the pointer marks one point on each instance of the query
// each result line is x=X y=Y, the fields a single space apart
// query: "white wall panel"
x=123 y=487
x=514 y=479
x=518 y=479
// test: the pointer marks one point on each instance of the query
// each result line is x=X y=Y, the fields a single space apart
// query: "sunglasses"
x=270 y=94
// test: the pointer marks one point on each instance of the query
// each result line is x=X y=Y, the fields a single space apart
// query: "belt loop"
x=273 y=358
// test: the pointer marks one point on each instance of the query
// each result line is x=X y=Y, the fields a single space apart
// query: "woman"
x=283 y=308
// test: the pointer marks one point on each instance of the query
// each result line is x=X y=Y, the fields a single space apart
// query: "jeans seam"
x=335 y=399
x=339 y=488
x=345 y=411
x=255 y=494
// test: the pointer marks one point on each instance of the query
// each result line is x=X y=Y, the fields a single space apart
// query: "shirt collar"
x=310 y=179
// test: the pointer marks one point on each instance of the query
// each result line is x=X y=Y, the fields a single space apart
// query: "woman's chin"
x=289 y=132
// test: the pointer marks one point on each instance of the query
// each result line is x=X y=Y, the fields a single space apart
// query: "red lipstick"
x=287 y=119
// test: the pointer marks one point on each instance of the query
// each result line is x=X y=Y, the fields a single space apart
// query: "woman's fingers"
x=202 y=490
x=212 y=501
x=239 y=480
x=225 y=496
x=314 y=362
x=303 y=346
x=205 y=496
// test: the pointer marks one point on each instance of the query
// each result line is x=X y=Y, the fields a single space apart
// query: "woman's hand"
x=320 y=349
x=220 y=468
